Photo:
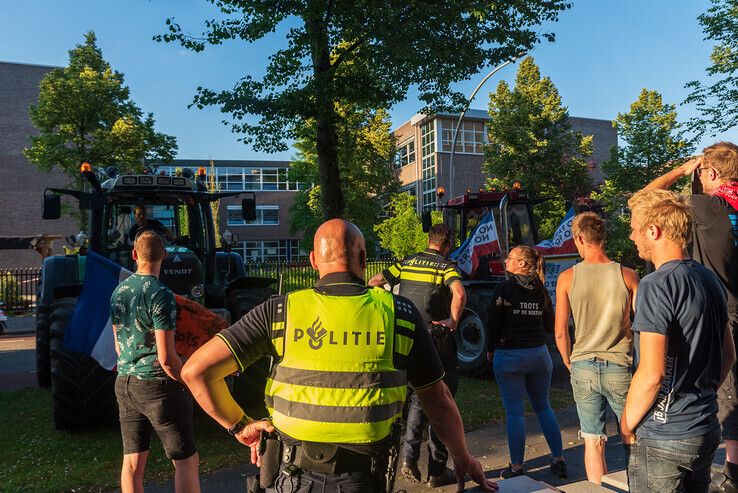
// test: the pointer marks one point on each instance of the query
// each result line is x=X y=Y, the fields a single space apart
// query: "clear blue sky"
x=606 y=51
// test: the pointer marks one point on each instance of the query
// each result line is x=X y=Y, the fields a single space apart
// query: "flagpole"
x=461 y=117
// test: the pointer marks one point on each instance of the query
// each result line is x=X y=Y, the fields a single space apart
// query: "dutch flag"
x=90 y=329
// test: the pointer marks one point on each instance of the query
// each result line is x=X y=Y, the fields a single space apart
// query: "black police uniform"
x=425 y=279
x=250 y=339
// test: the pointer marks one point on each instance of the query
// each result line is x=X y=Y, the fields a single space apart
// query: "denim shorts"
x=596 y=383
x=161 y=405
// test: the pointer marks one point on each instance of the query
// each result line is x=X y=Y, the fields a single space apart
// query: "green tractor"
x=82 y=391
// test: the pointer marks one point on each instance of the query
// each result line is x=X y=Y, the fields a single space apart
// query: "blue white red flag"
x=90 y=330
x=482 y=241
x=562 y=241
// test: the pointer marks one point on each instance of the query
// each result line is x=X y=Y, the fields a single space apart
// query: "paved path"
x=18 y=354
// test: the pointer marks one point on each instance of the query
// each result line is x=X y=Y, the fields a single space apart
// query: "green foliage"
x=653 y=140
x=402 y=232
x=531 y=142
x=10 y=290
x=717 y=100
x=366 y=147
x=84 y=113
x=363 y=53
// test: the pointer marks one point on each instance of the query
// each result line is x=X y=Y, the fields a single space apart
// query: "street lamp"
x=461 y=117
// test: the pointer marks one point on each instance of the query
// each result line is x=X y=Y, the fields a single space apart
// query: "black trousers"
x=314 y=482
x=417 y=421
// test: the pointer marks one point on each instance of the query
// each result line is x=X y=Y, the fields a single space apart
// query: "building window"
x=266 y=215
x=271 y=251
x=471 y=137
x=249 y=179
x=428 y=162
x=405 y=154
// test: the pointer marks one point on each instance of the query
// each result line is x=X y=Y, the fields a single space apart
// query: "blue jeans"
x=664 y=466
x=595 y=384
x=521 y=371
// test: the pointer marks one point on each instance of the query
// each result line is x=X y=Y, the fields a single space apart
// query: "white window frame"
x=259 y=216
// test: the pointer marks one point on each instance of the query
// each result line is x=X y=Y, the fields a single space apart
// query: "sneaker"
x=509 y=472
x=558 y=467
x=448 y=477
x=410 y=472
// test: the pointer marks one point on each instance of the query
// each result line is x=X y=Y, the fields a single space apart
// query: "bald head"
x=339 y=246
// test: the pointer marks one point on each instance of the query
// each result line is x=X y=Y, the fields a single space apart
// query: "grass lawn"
x=36 y=457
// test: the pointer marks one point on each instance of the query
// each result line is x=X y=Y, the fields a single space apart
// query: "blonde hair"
x=533 y=264
x=590 y=226
x=665 y=210
x=723 y=156
x=149 y=246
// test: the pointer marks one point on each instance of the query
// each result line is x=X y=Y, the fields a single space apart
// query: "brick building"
x=424 y=151
x=21 y=184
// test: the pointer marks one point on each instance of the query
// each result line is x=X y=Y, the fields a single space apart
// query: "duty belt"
x=327 y=459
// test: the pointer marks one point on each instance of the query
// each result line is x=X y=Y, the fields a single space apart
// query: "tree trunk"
x=331 y=196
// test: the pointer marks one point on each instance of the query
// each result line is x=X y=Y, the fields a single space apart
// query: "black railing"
x=18 y=289
x=298 y=275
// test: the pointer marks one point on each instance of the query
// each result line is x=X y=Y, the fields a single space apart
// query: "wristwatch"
x=236 y=429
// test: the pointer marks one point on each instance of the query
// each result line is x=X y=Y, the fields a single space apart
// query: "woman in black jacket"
x=519 y=316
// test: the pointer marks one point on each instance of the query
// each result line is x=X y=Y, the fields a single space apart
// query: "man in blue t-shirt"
x=669 y=425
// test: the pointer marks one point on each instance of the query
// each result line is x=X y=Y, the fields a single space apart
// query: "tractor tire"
x=471 y=341
x=248 y=387
x=83 y=392
x=43 y=352
x=241 y=301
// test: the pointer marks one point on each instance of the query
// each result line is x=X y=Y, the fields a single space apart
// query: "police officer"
x=342 y=353
x=430 y=280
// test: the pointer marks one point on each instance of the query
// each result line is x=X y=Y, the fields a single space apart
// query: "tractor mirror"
x=426 y=217
x=248 y=208
x=52 y=206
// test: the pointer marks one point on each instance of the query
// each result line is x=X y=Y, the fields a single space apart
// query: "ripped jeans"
x=596 y=383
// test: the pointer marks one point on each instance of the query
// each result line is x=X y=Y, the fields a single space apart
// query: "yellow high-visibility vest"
x=340 y=377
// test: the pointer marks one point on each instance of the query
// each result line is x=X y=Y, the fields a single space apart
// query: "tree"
x=84 y=113
x=653 y=139
x=364 y=53
x=717 y=101
x=214 y=187
x=531 y=142
x=366 y=148
x=402 y=232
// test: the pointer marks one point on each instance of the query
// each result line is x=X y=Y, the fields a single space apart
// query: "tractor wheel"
x=43 y=353
x=241 y=301
x=83 y=392
x=471 y=341
x=248 y=387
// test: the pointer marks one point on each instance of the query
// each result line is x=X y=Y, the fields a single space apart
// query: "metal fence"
x=298 y=275
x=18 y=288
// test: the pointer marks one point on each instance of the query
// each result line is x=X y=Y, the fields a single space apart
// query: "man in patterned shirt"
x=430 y=280
x=150 y=395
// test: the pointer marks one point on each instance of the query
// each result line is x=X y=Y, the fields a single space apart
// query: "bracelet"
x=242 y=423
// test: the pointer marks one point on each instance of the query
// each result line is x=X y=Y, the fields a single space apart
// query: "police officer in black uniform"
x=430 y=280
x=335 y=428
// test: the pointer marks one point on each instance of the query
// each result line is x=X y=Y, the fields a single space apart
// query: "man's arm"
x=439 y=406
x=377 y=280
x=563 y=310
x=644 y=388
x=728 y=354
x=115 y=340
x=665 y=181
x=170 y=361
x=204 y=373
x=631 y=280
x=458 y=301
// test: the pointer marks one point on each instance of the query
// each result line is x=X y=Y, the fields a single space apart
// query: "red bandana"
x=729 y=192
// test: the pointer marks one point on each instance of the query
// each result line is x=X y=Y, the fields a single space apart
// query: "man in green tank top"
x=599 y=293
